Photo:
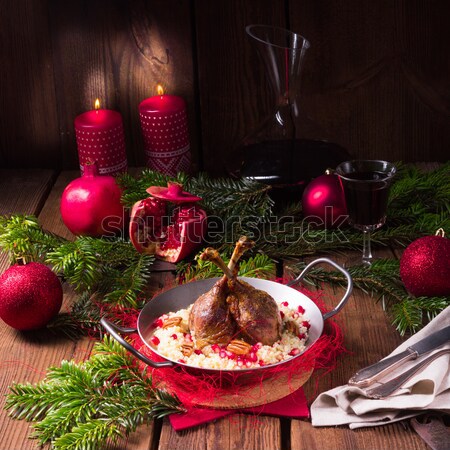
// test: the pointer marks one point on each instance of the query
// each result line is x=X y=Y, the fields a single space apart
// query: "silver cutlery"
x=391 y=386
x=368 y=375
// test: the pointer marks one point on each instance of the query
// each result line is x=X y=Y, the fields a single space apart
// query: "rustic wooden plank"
x=372 y=76
x=24 y=191
x=119 y=52
x=304 y=436
x=50 y=217
x=236 y=431
x=29 y=135
x=232 y=85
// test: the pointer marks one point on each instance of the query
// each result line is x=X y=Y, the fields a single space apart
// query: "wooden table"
x=24 y=357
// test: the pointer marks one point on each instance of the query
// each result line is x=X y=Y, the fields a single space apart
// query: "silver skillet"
x=182 y=296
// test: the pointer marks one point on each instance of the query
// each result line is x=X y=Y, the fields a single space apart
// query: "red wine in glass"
x=366 y=186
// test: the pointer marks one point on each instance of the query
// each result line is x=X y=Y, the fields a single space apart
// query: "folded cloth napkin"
x=426 y=390
x=293 y=406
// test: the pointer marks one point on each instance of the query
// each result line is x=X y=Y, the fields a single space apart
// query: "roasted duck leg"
x=210 y=319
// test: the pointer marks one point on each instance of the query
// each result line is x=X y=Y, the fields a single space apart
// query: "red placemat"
x=293 y=406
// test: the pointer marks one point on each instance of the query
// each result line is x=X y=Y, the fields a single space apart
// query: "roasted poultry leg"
x=210 y=319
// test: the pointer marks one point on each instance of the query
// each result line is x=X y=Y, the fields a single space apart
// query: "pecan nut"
x=239 y=347
x=187 y=348
x=172 y=321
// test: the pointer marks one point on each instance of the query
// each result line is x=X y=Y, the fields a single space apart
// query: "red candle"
x=165 y=131
x=100 y=138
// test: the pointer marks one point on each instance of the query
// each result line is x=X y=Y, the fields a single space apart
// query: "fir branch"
x=257 y=266
x=382 y=280
x=83 y=405
x=22 y=237
x=83 y=318
x=131 y=283
x=77 y=261
x=429 y=189
x=228 y=198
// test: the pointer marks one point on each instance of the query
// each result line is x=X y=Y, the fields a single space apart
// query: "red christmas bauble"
x=323 y=201
x=425 y=267
x=30 y=296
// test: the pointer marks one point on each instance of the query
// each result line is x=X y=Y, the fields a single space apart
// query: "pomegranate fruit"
x=30 y=296
x=173 y=237
x=90 y=205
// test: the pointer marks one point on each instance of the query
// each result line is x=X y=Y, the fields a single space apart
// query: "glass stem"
x=367 y=251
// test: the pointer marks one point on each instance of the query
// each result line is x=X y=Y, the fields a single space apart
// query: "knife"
x=366 y=376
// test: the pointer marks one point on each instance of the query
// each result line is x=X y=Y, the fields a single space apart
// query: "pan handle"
x=114 y=331
x=344 y=299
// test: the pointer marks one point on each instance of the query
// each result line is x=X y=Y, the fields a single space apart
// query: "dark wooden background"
x=376 y=78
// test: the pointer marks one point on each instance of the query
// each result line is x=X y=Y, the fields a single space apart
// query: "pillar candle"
x=165 y=132
x=100 y=138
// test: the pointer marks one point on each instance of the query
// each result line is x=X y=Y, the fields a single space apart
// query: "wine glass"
x=366 y=186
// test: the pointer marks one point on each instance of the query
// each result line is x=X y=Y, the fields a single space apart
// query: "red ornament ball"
x=323 y=201
x=30 y=296
x=425 y=267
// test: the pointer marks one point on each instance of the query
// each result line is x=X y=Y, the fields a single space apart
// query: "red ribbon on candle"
x=166 y=135
x=100 y=138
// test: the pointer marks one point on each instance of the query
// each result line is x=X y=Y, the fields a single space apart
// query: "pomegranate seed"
x=252 y=357
x=248 y=363
x=301 y=336
x=182 y=361
x=215 y=348
x=285 y=304
x=306 y=324
x=174 y=336
x=230 y=355
x=282 y=314
x=240 y=363
x=223 y=354
x=158 y=323
x=294 y=351
x=197 y=351
x=301 y=310
x=261 y=362
x=154 y=340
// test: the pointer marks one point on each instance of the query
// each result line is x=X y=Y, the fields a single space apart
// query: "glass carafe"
x=286 y=150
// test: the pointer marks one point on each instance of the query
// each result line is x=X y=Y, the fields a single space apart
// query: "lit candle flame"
x=97 y=104
x=160 y=89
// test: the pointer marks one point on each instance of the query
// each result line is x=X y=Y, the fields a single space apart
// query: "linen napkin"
x=293 y=406
x=426 y=390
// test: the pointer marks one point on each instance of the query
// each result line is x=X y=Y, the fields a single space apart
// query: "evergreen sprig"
x=382 y=280
x=84 y=405
x=228 y=198
x=257 y=266
x=23 y=238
